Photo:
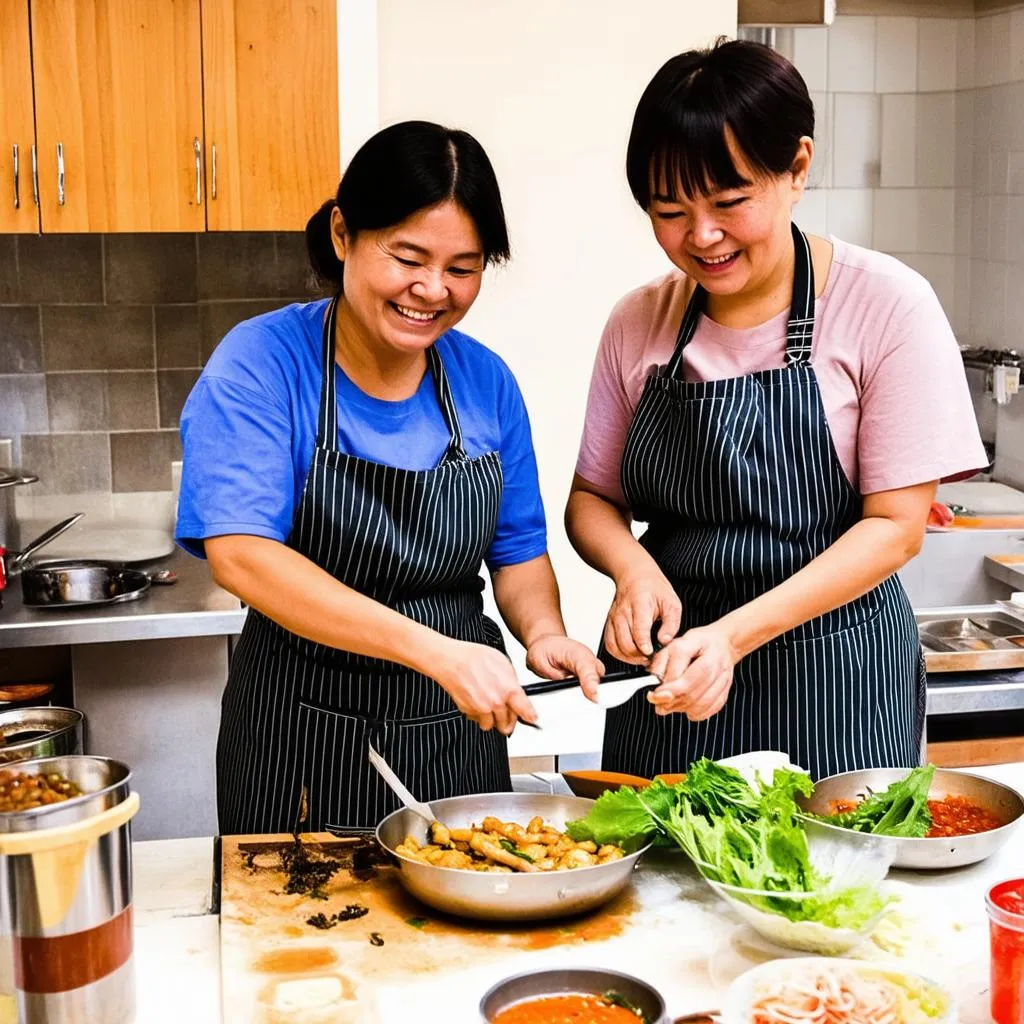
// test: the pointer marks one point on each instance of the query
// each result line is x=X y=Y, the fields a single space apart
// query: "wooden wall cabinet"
x=19 y=210
x=177 y=115
x=270 y=75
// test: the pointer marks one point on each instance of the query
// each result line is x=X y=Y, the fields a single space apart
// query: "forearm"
x=527 y=597
x=298 y=595
x=600 y=532
x=869 y=552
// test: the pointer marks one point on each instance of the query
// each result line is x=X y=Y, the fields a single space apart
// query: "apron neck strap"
x=799 y=329
x=327 y=420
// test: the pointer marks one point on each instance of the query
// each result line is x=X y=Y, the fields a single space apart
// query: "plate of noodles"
x=819 y=990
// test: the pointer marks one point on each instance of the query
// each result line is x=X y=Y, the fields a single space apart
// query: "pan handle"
x=17 y=562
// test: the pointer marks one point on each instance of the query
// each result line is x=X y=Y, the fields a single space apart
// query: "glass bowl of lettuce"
x=747 y=840
x=915 y=999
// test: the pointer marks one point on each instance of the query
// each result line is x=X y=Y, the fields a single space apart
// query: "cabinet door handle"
x=35 y=175
x=60 y=173
x=213 y=170
x=198 y=151
x=17 y=177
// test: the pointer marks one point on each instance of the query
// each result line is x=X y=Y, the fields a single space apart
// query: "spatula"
x=615 y=689
x=378 y=762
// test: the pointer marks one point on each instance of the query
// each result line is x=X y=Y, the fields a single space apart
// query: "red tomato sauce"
x=1007 y=946
x=572 y=1009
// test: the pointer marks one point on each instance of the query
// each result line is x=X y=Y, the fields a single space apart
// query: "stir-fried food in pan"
x=505 y=846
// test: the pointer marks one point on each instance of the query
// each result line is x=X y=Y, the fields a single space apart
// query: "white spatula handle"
x=378 y=762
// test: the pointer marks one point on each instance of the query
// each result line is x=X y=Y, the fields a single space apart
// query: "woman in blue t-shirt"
x=349 y=464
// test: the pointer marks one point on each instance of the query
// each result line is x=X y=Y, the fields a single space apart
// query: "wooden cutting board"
x=277 y=967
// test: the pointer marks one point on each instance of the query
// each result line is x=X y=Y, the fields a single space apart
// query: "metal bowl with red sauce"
x=959 y=801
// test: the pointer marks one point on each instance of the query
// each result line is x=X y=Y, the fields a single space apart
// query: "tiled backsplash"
x=103 y=336
x=921 y=153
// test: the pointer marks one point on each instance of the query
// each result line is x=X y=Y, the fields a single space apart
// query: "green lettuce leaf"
x=628 y=817
x=900 y=810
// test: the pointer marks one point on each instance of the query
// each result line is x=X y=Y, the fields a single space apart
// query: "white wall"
x=549 y=89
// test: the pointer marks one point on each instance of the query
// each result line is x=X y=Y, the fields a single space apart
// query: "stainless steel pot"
x=28 y=733
x=953 y=852
x=502 y=897
x=65 y=893
x=573 y=981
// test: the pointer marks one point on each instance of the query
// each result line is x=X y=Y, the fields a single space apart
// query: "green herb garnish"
x=615 y=999
x=900 y=810
x=507 y=844
x=417 y=922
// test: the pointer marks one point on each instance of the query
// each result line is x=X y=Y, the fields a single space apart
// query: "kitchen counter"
x=177 y=950
x=194 y=606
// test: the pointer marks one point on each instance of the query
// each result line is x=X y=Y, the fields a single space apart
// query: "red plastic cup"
x=1005 y=905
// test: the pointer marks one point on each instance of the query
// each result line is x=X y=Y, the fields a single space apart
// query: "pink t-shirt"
x=891 y=377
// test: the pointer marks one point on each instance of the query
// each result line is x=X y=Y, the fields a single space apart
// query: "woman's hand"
x=484 y=686
x=641 y=599
x=695 y=672
x=556 y=656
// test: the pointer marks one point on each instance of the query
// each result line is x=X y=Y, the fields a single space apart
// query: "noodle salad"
x=829 y=994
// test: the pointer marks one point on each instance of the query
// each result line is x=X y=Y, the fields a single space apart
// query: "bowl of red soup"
x=964 y=817
x=573 y=995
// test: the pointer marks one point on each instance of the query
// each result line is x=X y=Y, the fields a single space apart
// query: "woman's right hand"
x=641 y=599
x=483 y=684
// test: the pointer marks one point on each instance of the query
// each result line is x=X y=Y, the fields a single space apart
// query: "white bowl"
x=742 y=992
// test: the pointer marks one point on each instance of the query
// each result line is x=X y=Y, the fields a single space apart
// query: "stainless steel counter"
x=194 y=606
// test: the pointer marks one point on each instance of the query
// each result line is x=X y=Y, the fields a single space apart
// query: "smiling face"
x=407 y=284
x=732 y=241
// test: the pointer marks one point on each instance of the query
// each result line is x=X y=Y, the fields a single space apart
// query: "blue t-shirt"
x=249 y=428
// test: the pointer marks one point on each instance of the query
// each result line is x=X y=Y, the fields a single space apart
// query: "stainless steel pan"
x=81 y=582
x=952 y=852
x=501 y=897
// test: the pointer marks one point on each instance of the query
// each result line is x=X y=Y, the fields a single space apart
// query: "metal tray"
x=969 y=638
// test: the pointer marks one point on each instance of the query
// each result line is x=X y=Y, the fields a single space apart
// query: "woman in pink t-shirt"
x=778 y=409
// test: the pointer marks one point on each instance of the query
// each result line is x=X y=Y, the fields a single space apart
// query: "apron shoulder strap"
x=799 y=329
x=455 y=452
x=327 y=419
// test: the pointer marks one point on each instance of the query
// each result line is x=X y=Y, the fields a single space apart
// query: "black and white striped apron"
x=741 y=486
x=299 y=714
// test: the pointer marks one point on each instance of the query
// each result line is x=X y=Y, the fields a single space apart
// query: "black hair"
x=678 y=138
x=402 y=169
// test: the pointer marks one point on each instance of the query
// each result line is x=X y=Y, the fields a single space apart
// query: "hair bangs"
x=694 y=158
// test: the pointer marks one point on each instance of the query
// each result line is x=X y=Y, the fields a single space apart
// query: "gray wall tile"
x=21 y=343
x=142 y=461
x=8 y=268
x=150 y=268
x=131 y=400
x=23 y=404
x=77 y=401
x=60 y=268
x=177 y=335
x=252 y=265
x=174 y=387
x=217 y=318
x=68 y=463
x=98 y=337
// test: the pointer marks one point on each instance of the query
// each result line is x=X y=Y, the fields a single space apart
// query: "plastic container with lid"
x=1005 y=905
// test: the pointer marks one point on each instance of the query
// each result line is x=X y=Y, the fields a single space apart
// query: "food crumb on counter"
x=349 y=913
x=376 y=939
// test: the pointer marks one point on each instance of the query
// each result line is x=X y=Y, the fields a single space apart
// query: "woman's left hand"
x=695 y=671
x=555 y=657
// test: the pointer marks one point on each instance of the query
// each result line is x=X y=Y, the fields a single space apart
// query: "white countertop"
x=177 y=939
